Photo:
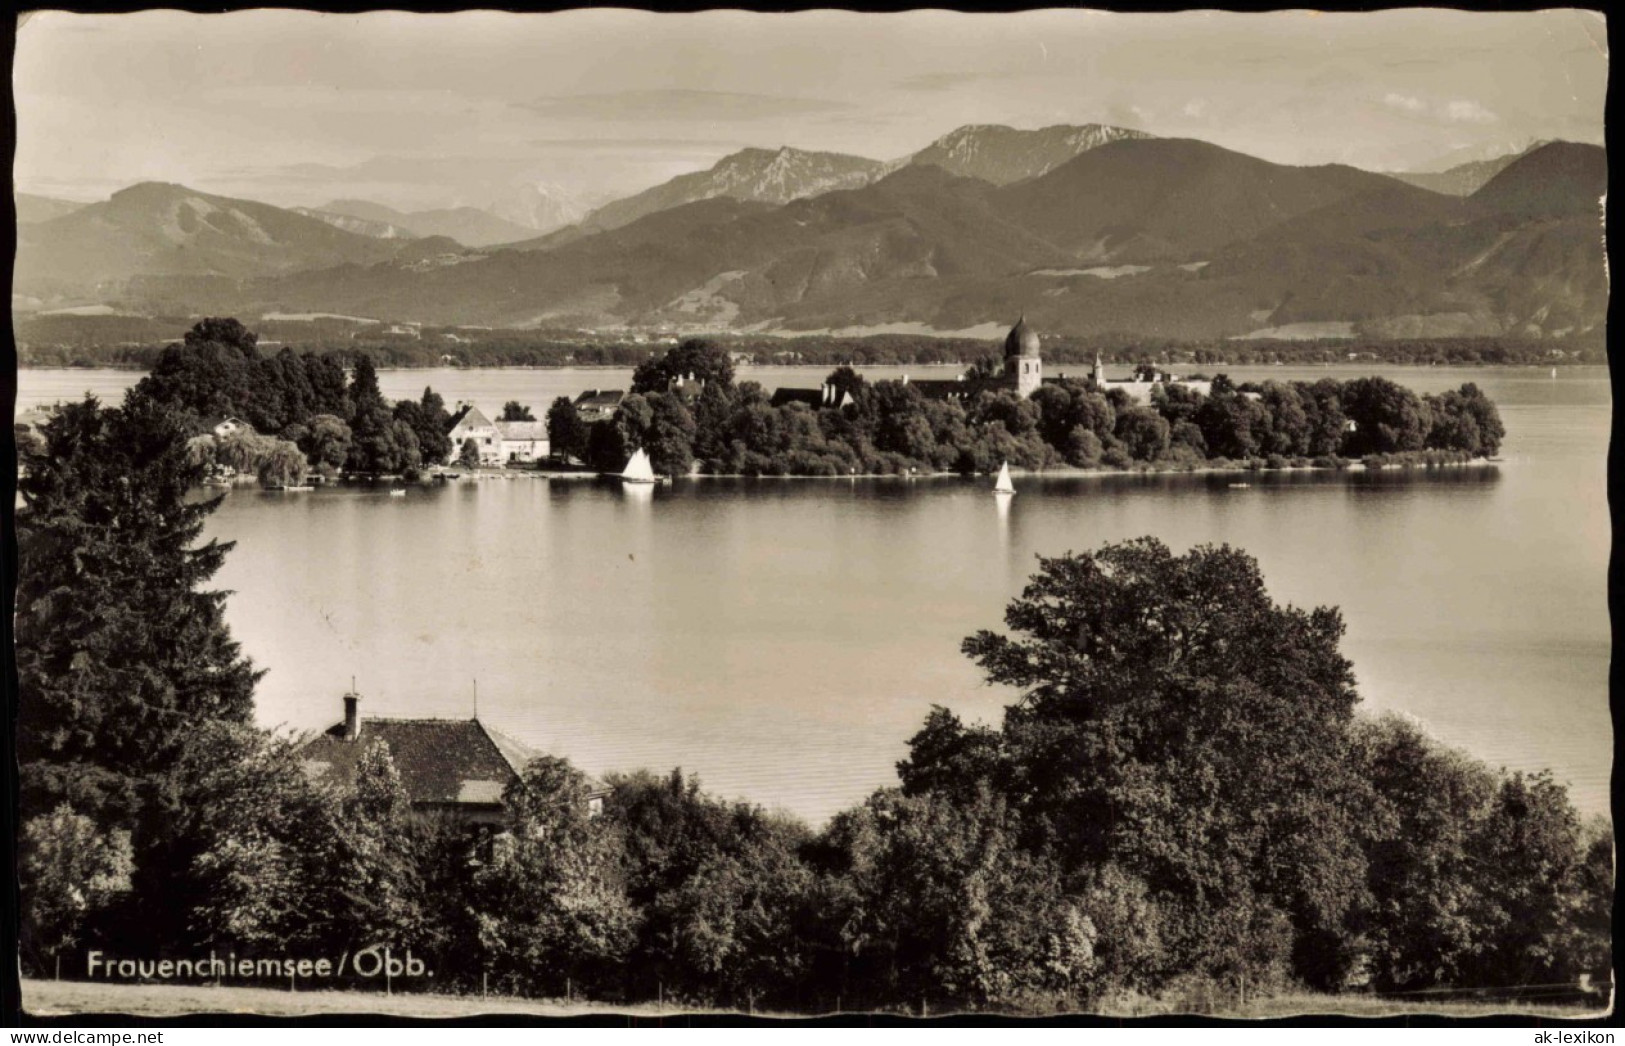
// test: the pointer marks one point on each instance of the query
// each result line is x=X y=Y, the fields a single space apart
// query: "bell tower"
x=1023 y=365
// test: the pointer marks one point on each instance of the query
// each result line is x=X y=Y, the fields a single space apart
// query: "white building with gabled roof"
x=499 y=442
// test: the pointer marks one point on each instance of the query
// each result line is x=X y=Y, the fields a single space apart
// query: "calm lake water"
x=784 y=638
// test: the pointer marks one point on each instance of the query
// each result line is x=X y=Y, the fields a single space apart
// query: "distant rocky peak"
x=1002 y=155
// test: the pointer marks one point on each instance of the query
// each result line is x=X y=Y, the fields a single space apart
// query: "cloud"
x=679 y=105
x=1458 y=111
x=1468 y=112
x=1195 y=108
x=943 y=81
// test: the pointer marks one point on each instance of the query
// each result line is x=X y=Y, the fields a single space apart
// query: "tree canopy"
x=121 y=650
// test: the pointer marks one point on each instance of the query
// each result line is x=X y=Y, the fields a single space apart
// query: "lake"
x=783 y=638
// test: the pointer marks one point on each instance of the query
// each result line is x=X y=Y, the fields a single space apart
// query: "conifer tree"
x=121 y=652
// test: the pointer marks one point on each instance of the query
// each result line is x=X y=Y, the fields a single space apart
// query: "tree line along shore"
x=1183 y=802
x=324 y=414
x=137 y=342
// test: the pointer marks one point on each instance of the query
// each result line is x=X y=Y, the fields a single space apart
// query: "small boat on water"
x=1240 y=486
x=1003 y=485
x=398 y=493
x=639 y=469
x=291 y=488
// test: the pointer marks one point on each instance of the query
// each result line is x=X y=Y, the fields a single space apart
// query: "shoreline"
x=1059 y=472
x=23 y=365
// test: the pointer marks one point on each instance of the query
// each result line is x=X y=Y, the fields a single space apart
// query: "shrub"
x=1117 y=458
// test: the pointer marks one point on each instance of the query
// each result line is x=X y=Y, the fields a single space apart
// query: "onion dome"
x=1021 y=341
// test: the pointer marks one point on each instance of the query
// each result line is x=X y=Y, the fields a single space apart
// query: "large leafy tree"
x=550 y=908
x=669 y=438
x=566 y=432
x=946 y=906
x=1179 y=724
x=695 y=359
x=69 y=872
x=1387 y=417
x=382 y=442
x=121 y=651
x=430 y=423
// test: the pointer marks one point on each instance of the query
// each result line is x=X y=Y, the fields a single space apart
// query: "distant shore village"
x=523 y=442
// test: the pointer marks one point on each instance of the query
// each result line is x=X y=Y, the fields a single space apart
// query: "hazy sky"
x=426 y=110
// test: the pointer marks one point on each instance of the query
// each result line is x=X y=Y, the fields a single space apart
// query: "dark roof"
x=440 y=761
x=939 y=389
x=811 y=397
x=600 y=398
x=1021 y=341
x=473 y=415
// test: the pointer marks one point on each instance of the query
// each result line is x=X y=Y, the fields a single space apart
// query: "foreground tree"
x=70 y=872
x=946 y=907
x=513 y=410
x=121 y=652
x=551 y=911
x=1154 y=688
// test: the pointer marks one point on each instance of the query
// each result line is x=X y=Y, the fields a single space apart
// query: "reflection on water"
x=784 y=638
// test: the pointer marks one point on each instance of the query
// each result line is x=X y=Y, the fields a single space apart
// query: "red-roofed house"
x=459 y=767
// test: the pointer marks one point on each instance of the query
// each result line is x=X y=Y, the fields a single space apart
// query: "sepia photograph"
x=819 y=517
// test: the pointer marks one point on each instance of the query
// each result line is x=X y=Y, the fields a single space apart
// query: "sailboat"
x=1003 y=485
x=639 y=469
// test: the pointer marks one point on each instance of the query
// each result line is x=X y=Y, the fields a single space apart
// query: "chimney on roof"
x=352 y=714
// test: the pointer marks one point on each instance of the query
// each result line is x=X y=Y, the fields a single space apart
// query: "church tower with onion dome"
x=1023 y=366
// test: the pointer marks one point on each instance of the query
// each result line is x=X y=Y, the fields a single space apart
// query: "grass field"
x=65 y=998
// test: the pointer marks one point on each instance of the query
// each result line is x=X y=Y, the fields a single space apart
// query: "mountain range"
x=157 y=229
x=991 y=153
x=761 y=175
x=469 y=226
x=1464 y=179
x=1128 y=234
x=32 y=209
x=1002 y=155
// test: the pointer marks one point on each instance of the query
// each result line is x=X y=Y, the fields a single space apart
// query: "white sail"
x=1004 y=486
x=639 y=470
